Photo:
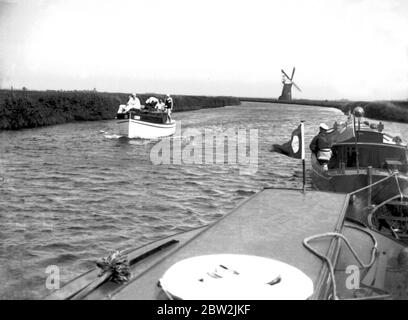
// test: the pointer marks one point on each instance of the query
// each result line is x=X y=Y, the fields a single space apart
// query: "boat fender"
x=235 y=277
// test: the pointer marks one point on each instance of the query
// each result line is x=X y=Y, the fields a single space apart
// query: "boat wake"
x=141 y=141
x=112 y=136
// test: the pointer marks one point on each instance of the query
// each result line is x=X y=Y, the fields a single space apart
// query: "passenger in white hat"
x=321 y=146
x=133 y=103
x=324 y=126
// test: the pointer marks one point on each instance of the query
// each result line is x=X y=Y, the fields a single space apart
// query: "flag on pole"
x=294 y=148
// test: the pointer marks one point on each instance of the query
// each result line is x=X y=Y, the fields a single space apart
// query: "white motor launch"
x=135 y=128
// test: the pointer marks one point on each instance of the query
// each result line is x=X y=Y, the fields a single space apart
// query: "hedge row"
x=28 y=109
x=381 y=110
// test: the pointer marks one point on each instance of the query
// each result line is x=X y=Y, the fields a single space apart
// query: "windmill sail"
x=287 y=85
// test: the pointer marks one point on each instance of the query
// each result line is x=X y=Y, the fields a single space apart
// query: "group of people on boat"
x=151 y=104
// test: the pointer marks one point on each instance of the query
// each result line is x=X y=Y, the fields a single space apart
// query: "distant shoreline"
x=393 y=110
x=30 y=109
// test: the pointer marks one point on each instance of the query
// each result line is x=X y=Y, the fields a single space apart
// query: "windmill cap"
x=324 y=126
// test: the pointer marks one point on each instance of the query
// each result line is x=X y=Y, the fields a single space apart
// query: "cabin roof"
x=370 y=136
x=273 y=224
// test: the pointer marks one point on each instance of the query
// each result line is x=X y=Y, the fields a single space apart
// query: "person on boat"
x=169 y=106
x=122 y=108
x=169 y=102
x=134 y=102
x=320 y=146
x=152 y=103
x=161 y=106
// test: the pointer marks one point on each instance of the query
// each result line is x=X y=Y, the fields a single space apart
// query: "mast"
x=357 y=112
x=302 y=135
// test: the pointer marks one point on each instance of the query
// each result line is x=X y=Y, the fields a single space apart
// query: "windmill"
x=287 y=86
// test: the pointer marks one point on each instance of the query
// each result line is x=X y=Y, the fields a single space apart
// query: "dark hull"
x=350 y=181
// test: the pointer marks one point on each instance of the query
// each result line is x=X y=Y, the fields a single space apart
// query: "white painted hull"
x=132 y=128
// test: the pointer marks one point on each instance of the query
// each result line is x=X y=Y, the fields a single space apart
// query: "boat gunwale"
x=150 y=124
x=401 y=146
x=395 y=175
x=332 y=254
x=124 y=251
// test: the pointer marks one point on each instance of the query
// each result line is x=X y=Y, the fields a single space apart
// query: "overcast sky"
x=351 y=49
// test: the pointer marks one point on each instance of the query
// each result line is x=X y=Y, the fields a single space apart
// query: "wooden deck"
x=271 y=224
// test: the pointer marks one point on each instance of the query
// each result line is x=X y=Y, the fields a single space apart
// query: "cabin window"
x=344 y=156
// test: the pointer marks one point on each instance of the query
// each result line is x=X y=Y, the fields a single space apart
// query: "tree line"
x=29 y=109
x=394 y=110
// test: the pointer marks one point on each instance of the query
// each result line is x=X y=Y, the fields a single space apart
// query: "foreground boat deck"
x=271 y=224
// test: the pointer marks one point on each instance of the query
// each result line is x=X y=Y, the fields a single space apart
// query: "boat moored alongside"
x=369 y=156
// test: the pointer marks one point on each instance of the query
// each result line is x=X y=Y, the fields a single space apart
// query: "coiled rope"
x=341 y=236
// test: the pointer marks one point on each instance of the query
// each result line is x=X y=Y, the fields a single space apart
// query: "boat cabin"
x=152 y=116
x=375 y=148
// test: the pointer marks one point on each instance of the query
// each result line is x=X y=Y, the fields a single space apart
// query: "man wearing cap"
x=320 y=145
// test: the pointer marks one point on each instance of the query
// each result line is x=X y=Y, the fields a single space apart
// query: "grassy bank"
x=28 y=109
x=381 y=110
